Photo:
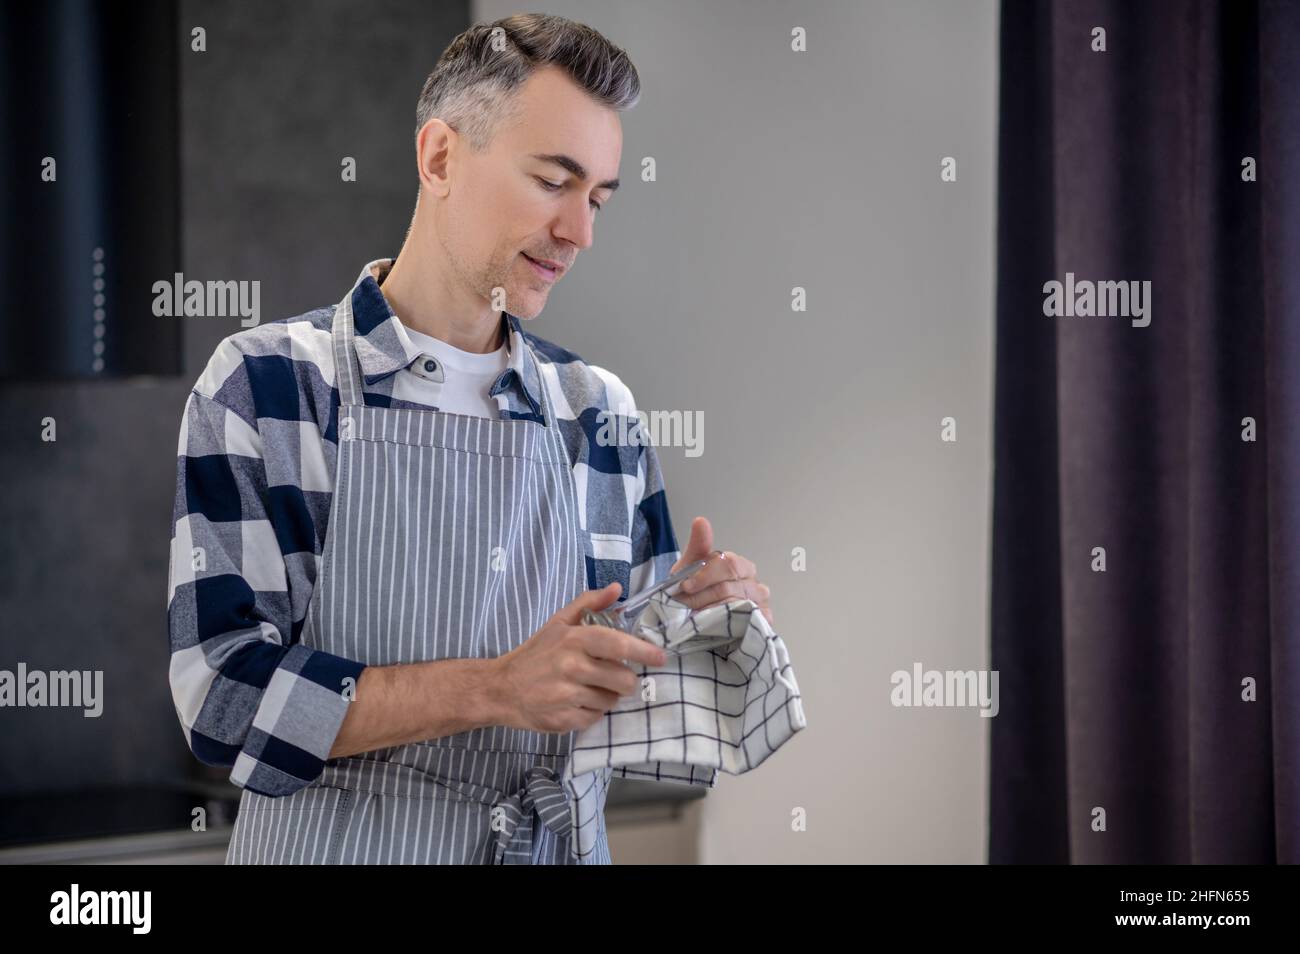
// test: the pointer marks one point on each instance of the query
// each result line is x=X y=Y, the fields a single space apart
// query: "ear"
x=435 y=145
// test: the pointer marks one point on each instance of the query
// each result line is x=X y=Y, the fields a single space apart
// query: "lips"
x=549 y=272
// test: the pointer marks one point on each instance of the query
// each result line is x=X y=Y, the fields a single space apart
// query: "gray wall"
x=819 y=169
x=283 y=92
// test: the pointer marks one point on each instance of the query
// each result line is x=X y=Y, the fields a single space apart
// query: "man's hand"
x=727 y=576
x=568 y=675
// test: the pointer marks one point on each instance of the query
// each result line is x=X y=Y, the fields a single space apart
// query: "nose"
x=575 y=224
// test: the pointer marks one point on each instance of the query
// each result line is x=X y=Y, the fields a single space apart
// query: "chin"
x=530 y=306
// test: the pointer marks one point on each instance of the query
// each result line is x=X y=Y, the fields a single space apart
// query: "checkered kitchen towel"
x=725 y=699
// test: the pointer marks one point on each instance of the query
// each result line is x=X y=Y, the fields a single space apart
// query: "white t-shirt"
x=467 y=377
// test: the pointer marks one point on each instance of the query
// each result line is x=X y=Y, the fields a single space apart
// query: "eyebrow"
x=575 y=167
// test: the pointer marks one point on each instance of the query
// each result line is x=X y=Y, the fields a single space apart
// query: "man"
x=388 y=511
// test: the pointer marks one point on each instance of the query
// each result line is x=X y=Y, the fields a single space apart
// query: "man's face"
x=509 y=204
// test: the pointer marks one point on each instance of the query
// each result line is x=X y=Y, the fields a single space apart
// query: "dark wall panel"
x=282 y=93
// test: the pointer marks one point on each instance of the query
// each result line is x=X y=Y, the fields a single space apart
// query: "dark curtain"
x=1122 y=691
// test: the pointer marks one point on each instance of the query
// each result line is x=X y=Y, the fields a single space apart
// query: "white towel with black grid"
x=726 y=699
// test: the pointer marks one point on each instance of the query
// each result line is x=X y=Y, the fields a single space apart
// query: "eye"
x=550 y=186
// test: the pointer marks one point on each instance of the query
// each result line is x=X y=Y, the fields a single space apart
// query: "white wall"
x=819 y=169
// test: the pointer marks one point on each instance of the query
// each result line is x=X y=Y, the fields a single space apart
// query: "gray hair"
x=473 y=84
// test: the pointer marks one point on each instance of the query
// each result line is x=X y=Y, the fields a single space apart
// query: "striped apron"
x=449 y=536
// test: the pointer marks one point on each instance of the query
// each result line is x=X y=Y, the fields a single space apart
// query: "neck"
x=422 y=290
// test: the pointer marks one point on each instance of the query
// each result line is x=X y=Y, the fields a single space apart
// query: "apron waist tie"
x=542 y=796
x=511 y=815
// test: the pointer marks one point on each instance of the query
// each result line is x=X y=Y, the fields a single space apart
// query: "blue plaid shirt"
x=254 y=480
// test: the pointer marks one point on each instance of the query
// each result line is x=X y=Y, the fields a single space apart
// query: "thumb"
x=590 y=600
x=699 y=546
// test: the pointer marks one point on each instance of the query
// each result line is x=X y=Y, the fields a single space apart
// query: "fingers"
x=725 y=592
x=721 y=565
x=700 y=544
x=590 y=697
x=571 y=613
x=604 y=643
x=744 y=567
x=611 y=676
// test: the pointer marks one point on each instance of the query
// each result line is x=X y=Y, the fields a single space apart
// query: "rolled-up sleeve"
x=247 y=693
